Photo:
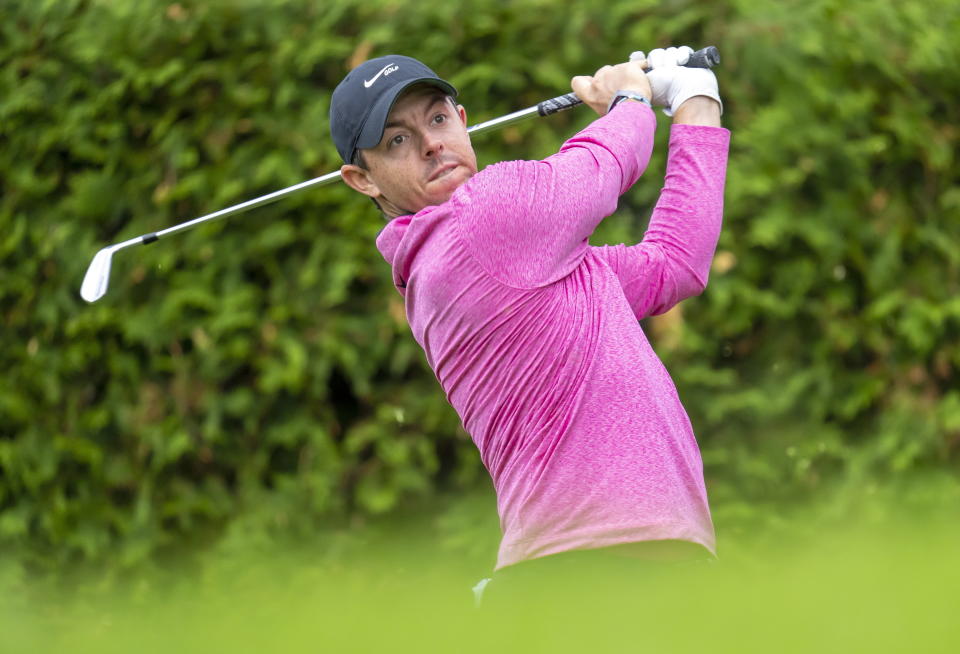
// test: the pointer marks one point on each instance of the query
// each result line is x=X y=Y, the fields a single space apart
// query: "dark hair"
x=358 y=160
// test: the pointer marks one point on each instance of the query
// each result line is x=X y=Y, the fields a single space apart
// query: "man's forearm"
x=698 y=110
x=685 y=224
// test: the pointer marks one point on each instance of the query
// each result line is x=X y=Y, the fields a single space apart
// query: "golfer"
x=532 y=332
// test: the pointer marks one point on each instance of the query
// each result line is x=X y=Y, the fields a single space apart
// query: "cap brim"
x=372 y=130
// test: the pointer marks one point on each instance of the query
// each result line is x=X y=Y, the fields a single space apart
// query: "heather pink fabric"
x=534 y=334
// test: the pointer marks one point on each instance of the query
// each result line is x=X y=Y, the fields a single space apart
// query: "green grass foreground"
x=877 y=585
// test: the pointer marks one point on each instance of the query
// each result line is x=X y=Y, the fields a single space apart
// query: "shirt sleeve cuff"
x=700 y=134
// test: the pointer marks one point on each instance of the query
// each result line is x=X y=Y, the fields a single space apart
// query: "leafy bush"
x=258 y=373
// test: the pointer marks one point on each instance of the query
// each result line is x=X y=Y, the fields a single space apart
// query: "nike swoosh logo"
x=386 y=70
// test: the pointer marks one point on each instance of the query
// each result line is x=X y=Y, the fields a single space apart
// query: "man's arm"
x=527 y=222
x=672 y=262
x=698 y=110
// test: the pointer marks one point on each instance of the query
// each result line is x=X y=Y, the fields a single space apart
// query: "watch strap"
x=622 y=95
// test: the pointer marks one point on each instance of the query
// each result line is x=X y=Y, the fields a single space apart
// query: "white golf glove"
x=672 y=83
x=665 y=56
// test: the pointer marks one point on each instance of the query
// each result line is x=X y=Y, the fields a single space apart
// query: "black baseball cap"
x=362 y=101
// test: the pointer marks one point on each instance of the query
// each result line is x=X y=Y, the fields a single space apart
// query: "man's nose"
x=432 y=146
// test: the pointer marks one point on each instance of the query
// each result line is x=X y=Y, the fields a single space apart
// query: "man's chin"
x=445 y=186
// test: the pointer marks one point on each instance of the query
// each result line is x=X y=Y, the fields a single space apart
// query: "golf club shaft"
x=97 y=279
x=704 y=58
x=243 y=206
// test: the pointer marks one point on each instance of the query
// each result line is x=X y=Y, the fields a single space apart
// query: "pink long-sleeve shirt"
x=534 y=335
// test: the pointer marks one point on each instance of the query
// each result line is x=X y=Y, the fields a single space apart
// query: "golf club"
x=97 y=279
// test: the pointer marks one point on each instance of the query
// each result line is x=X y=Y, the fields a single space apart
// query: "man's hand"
x=598 y=91
x=673 y=84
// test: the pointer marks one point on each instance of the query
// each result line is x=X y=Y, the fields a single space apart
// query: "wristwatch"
x=622 y=95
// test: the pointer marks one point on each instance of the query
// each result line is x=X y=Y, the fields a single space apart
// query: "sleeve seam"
x=461 y=239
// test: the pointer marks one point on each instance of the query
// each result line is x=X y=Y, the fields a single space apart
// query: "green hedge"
x=257 y=372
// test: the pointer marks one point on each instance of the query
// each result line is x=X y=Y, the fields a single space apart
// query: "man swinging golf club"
x=532 y=333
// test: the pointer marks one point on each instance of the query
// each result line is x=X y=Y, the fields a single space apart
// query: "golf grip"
x=707 y=57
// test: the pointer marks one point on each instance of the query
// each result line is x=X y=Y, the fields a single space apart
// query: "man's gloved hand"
x=672 y=83
x=665 y=56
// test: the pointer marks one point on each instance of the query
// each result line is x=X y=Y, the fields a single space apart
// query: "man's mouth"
x=442 y=170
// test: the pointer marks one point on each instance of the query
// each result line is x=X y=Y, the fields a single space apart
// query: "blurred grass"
x=882 y=579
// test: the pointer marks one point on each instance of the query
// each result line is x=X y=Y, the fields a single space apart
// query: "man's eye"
x=397 y=140
x=440 y=118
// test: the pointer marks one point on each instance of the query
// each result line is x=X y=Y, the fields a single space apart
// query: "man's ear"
x=359 y=180
x=461 y=110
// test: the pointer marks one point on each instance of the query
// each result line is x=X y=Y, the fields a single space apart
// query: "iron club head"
x=97 y=278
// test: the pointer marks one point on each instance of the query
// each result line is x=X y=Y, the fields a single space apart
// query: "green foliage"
x=828 y=342
x=258 y=375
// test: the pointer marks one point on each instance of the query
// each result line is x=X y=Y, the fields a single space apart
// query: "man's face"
x=424 y=156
